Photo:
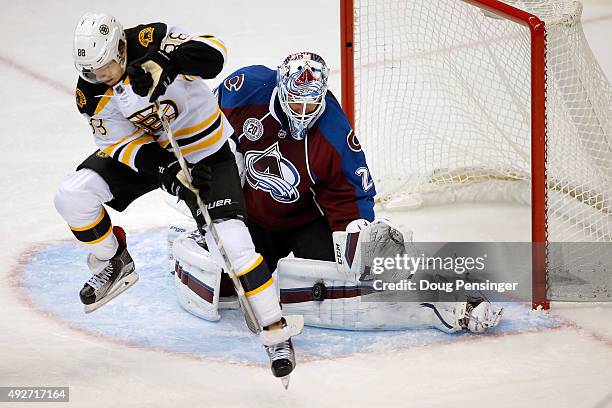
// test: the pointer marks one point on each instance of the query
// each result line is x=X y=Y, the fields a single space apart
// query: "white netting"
x=443 y=110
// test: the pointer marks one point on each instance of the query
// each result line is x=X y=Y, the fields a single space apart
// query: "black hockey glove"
x=157 y=70
x=173 y=180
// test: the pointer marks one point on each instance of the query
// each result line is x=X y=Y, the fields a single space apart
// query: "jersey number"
x=97 y=126
x=174 y=40
x=366 y=180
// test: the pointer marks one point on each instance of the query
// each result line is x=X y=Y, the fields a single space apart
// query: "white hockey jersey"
x=122 y=121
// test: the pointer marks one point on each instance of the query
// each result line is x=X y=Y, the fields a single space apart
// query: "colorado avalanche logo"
x=270 y=171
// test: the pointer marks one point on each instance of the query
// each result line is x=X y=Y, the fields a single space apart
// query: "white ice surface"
x=44 y=138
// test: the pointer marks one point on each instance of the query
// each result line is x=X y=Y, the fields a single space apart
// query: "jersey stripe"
x=213 y=42
x=104 y=99
x=209 y=141
x=185 y=141
x=197 y=128
x=110 y=149
x=129 y=154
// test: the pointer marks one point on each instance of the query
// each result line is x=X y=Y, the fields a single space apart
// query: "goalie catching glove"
x=153 y=73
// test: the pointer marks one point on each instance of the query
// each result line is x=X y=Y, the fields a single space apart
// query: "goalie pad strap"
x=319 y=292
x=197 y=277
x=194 y=284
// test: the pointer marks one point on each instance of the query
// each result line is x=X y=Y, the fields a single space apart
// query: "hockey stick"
x=250 y=318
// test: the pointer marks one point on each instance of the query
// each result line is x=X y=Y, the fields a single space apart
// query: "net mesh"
x=443 y=109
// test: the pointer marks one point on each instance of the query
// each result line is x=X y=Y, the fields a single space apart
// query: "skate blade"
x=123 y=285
x=285 y=381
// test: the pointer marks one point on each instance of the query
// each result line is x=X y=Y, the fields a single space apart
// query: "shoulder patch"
x=88 y=96
x=252 y=85
x=353 y=142
x=234 y=83
x=81 y=100
x=145 y=36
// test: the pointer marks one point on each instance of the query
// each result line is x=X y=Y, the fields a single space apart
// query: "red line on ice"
x=35 y=75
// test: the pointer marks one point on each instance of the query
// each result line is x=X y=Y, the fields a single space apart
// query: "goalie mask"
x=302 y=85
x=96 y=43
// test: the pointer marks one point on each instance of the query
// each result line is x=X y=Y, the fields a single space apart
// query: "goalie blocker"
x=328 y=294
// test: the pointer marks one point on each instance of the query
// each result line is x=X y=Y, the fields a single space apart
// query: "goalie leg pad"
x=176 y=229
x=324 y=295
x=197 y=277
x=319 y=292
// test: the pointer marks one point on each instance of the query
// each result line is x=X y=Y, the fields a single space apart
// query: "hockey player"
x=116 y=96
x=305 y=174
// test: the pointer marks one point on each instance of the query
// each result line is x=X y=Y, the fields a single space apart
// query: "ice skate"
x=277 y=341
x=110 y=278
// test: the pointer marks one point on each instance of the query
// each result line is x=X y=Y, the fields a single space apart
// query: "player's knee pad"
x=80 y=195
x=197 y=276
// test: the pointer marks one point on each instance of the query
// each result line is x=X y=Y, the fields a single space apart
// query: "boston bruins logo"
x=104 y=30
x=145 y=36
x=80 y=98
x=148 y=120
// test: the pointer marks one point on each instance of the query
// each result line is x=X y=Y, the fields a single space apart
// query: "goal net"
x=481 y=100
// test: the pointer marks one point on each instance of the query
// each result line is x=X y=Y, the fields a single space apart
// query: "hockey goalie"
x=308 y=193
x=328 y=294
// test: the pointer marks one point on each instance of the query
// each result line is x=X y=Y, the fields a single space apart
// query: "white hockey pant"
x=79 y=200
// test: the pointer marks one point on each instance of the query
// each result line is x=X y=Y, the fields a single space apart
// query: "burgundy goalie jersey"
x=291 y=182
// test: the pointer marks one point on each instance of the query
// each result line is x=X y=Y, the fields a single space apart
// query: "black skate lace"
x=280 y=351
x=99 y=279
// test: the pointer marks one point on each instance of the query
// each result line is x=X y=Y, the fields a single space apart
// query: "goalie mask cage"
x=476 y=100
